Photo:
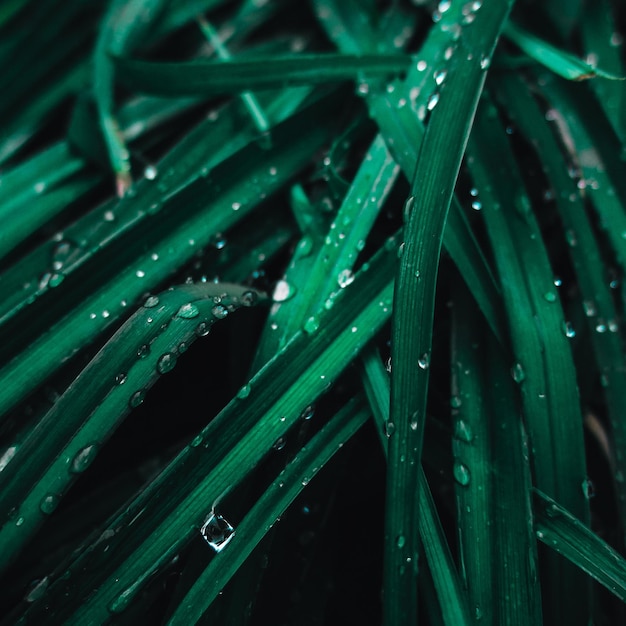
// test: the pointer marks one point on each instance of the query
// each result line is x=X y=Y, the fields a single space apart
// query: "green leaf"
x=235 y=76
x=561 y=63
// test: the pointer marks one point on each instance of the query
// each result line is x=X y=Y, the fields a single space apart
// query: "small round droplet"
x=188 y=311
x=307 y=413
x=432 y=101
x=244 y=392
x=150 y=172
x=440 y=76
x=400 y=541
x=219 y=311
x=463 y=431
x=424 y=361
x=311 y=325
x=390 y=428
x=143 y=351
x=568 y=329
x=120 y=379
x=151 y=302
x=166 y=363
x=203 y=329
x=283 y=291
x=408 y=207
x=589 y=489
x=461 y=474
x=49 y=503
x=476 y=205
x=345 y=278
x=280 y=443
x=196 y=441
x=137 y=398
x=456 y=402
x=249 y=298
x=56 y=279
x=517 y=373
x=83 y=459
x=549 y=296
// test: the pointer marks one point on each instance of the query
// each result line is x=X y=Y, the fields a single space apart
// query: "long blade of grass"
x=235 y=76
x=414 y=298
x=67 y=439
x=564 y=533
x=451 y=597
x=562 y=63
x=544 y=366
x=267 y=510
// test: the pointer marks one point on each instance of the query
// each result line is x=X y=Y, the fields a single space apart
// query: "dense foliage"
x=312 y=312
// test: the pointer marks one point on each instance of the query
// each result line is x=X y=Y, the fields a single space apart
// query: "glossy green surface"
x=312 y=313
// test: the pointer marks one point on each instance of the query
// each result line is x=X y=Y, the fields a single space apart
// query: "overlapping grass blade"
x=414 y=298
x=562 y=63
x=67 y=439
x=235 y=76
x=272 y=504
x=587 y=259
x=451 y=597
x=174 y=247
x=564 y=533
x=544 y=367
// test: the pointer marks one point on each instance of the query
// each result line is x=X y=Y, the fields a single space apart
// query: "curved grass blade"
x=178 y=241
x=67 y=439
x=196 y=78
x=228 y=448
x=562 y=63
x=564 y=533
x=401 y=127
x=544 y=367
x=597 y=303
x=270 y=506
x=414 y=298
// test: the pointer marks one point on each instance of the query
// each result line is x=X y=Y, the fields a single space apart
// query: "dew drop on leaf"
x=166 y=363
x=461 y=473
x=83 y=459
x=217 y=532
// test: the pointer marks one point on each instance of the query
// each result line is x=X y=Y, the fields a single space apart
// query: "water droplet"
x=345 y=278
x=39 y=187
x=38 y=590
x=311 y=325
x=280 y=443
x=218 y=241
x=570 y=237
x=408 y=207
x=400 y=541
x=557 y=281
x=105 y=314
x=188 y=311
x=517 y=373
x=461 y=473
x=150 y=172
x=549 y=296
x=203 y=329
x=307 y=413
x=84 y=458
x=589 y=489
x=424 y=361
x=485 y=62
x=421 y=65
x=449 y=51
x=249 y=298
x=476 y=205
x=196 y=441
x=568 y=329
x=283 y=291
x=143 y=351
x=120 y=604
x=390 y=428
x=151 y=302
x=49 y=503
x=166 y=363
x=219 y=311
x=120 y=379
x=217 y=532
x=613 y=326
x=463 y=431
x=137 y=398
x=140 y=273
x=601 y=326
x=589 y=308
x=440 y=76
x=432 y=101
x=244 y=392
